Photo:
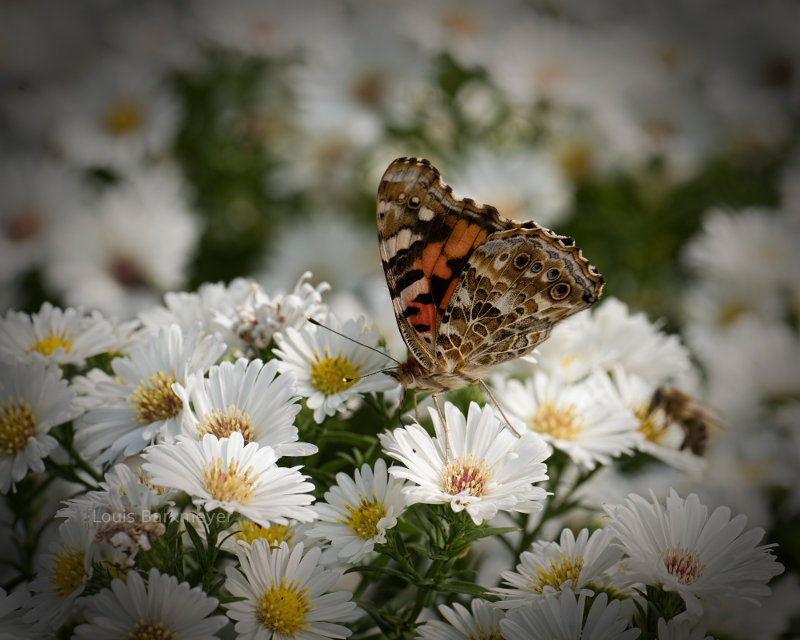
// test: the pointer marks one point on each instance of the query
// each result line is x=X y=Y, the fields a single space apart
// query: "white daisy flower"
x=62 y=336
x=249 y=397
x=257 y=318
x=662 y=437
x=225 y=473
x=357 y=511
x=325 y=364
x=486 y=468
x=161 y=608
x=34 y=398
x=585 y=419
x=123 y=513
x=287 y=595
x=704 y=559
x=120 y=113
x=563 y=615
x=132 y=245
x=480 y=622
x=582 y=564
x=138 y=405
x=62 y=575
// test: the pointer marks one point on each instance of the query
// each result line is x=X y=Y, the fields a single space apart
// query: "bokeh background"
x=154 y=146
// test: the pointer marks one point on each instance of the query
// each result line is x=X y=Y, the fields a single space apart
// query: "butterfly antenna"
x=366 y=346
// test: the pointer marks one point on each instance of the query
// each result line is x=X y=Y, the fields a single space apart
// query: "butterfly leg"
x=435 y=398
x=499 y=408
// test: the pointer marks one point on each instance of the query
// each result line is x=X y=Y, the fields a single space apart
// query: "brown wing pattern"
x=515 y=287
x=426 y=236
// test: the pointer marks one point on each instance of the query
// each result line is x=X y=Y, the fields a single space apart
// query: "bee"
x=692 y=416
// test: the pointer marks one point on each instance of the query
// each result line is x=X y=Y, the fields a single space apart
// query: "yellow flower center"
x=283 y=609
x=17 y=424
x=482 y=632
x=465 y=474
x=651 y=423
x=363 y=520
x=249 y=531
x=229 y=483
x=332 y=375
x=150 y=631
x=575 y=160
x=154 y=399
x=50 y=343
x=222 y=423
x=123 y=117
x=684 y=564
x=68 y=572
x=562 y=423
x=557 y=572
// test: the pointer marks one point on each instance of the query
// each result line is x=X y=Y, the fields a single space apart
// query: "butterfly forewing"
x=426 y=236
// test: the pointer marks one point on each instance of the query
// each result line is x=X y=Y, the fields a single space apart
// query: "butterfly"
x=470 y=288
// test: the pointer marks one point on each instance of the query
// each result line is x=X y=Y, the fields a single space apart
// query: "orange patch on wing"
x=462 y=239
x=430 y=254
x=447 y=294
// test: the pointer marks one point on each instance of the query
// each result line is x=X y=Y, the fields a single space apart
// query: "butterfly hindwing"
x=515 y=287
x=426 y=237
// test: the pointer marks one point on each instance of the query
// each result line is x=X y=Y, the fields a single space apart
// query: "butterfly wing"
x=426 y=236
x=515 y=287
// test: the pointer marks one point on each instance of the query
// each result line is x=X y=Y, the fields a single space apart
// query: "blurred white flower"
x=610 y=335
x=486 y=468
x=704 y=558
x=358 y=86
x=563 y=616
x=523 y=185
x=753 y=247
x=34 y=398
x=306 y=246
x=681 y=629
x=137 y=406
x=481 y=621
x=12 y=607
x=264 y=29
x=582 y=564
x=162 y=607
x=248 y=397
x=60 y=336
x=120 y=113
x=131 y=246
x=357 y=511
x=331 y=372
x=287 y=594
x=225 y=473
x=34 y=193
x=584 y=419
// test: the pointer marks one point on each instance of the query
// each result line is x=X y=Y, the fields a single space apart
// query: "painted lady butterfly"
x=470 y=288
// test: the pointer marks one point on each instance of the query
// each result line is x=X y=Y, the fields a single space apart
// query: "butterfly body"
x=470 y=289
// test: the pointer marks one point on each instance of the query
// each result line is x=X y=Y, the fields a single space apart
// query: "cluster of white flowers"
x=207 y=428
